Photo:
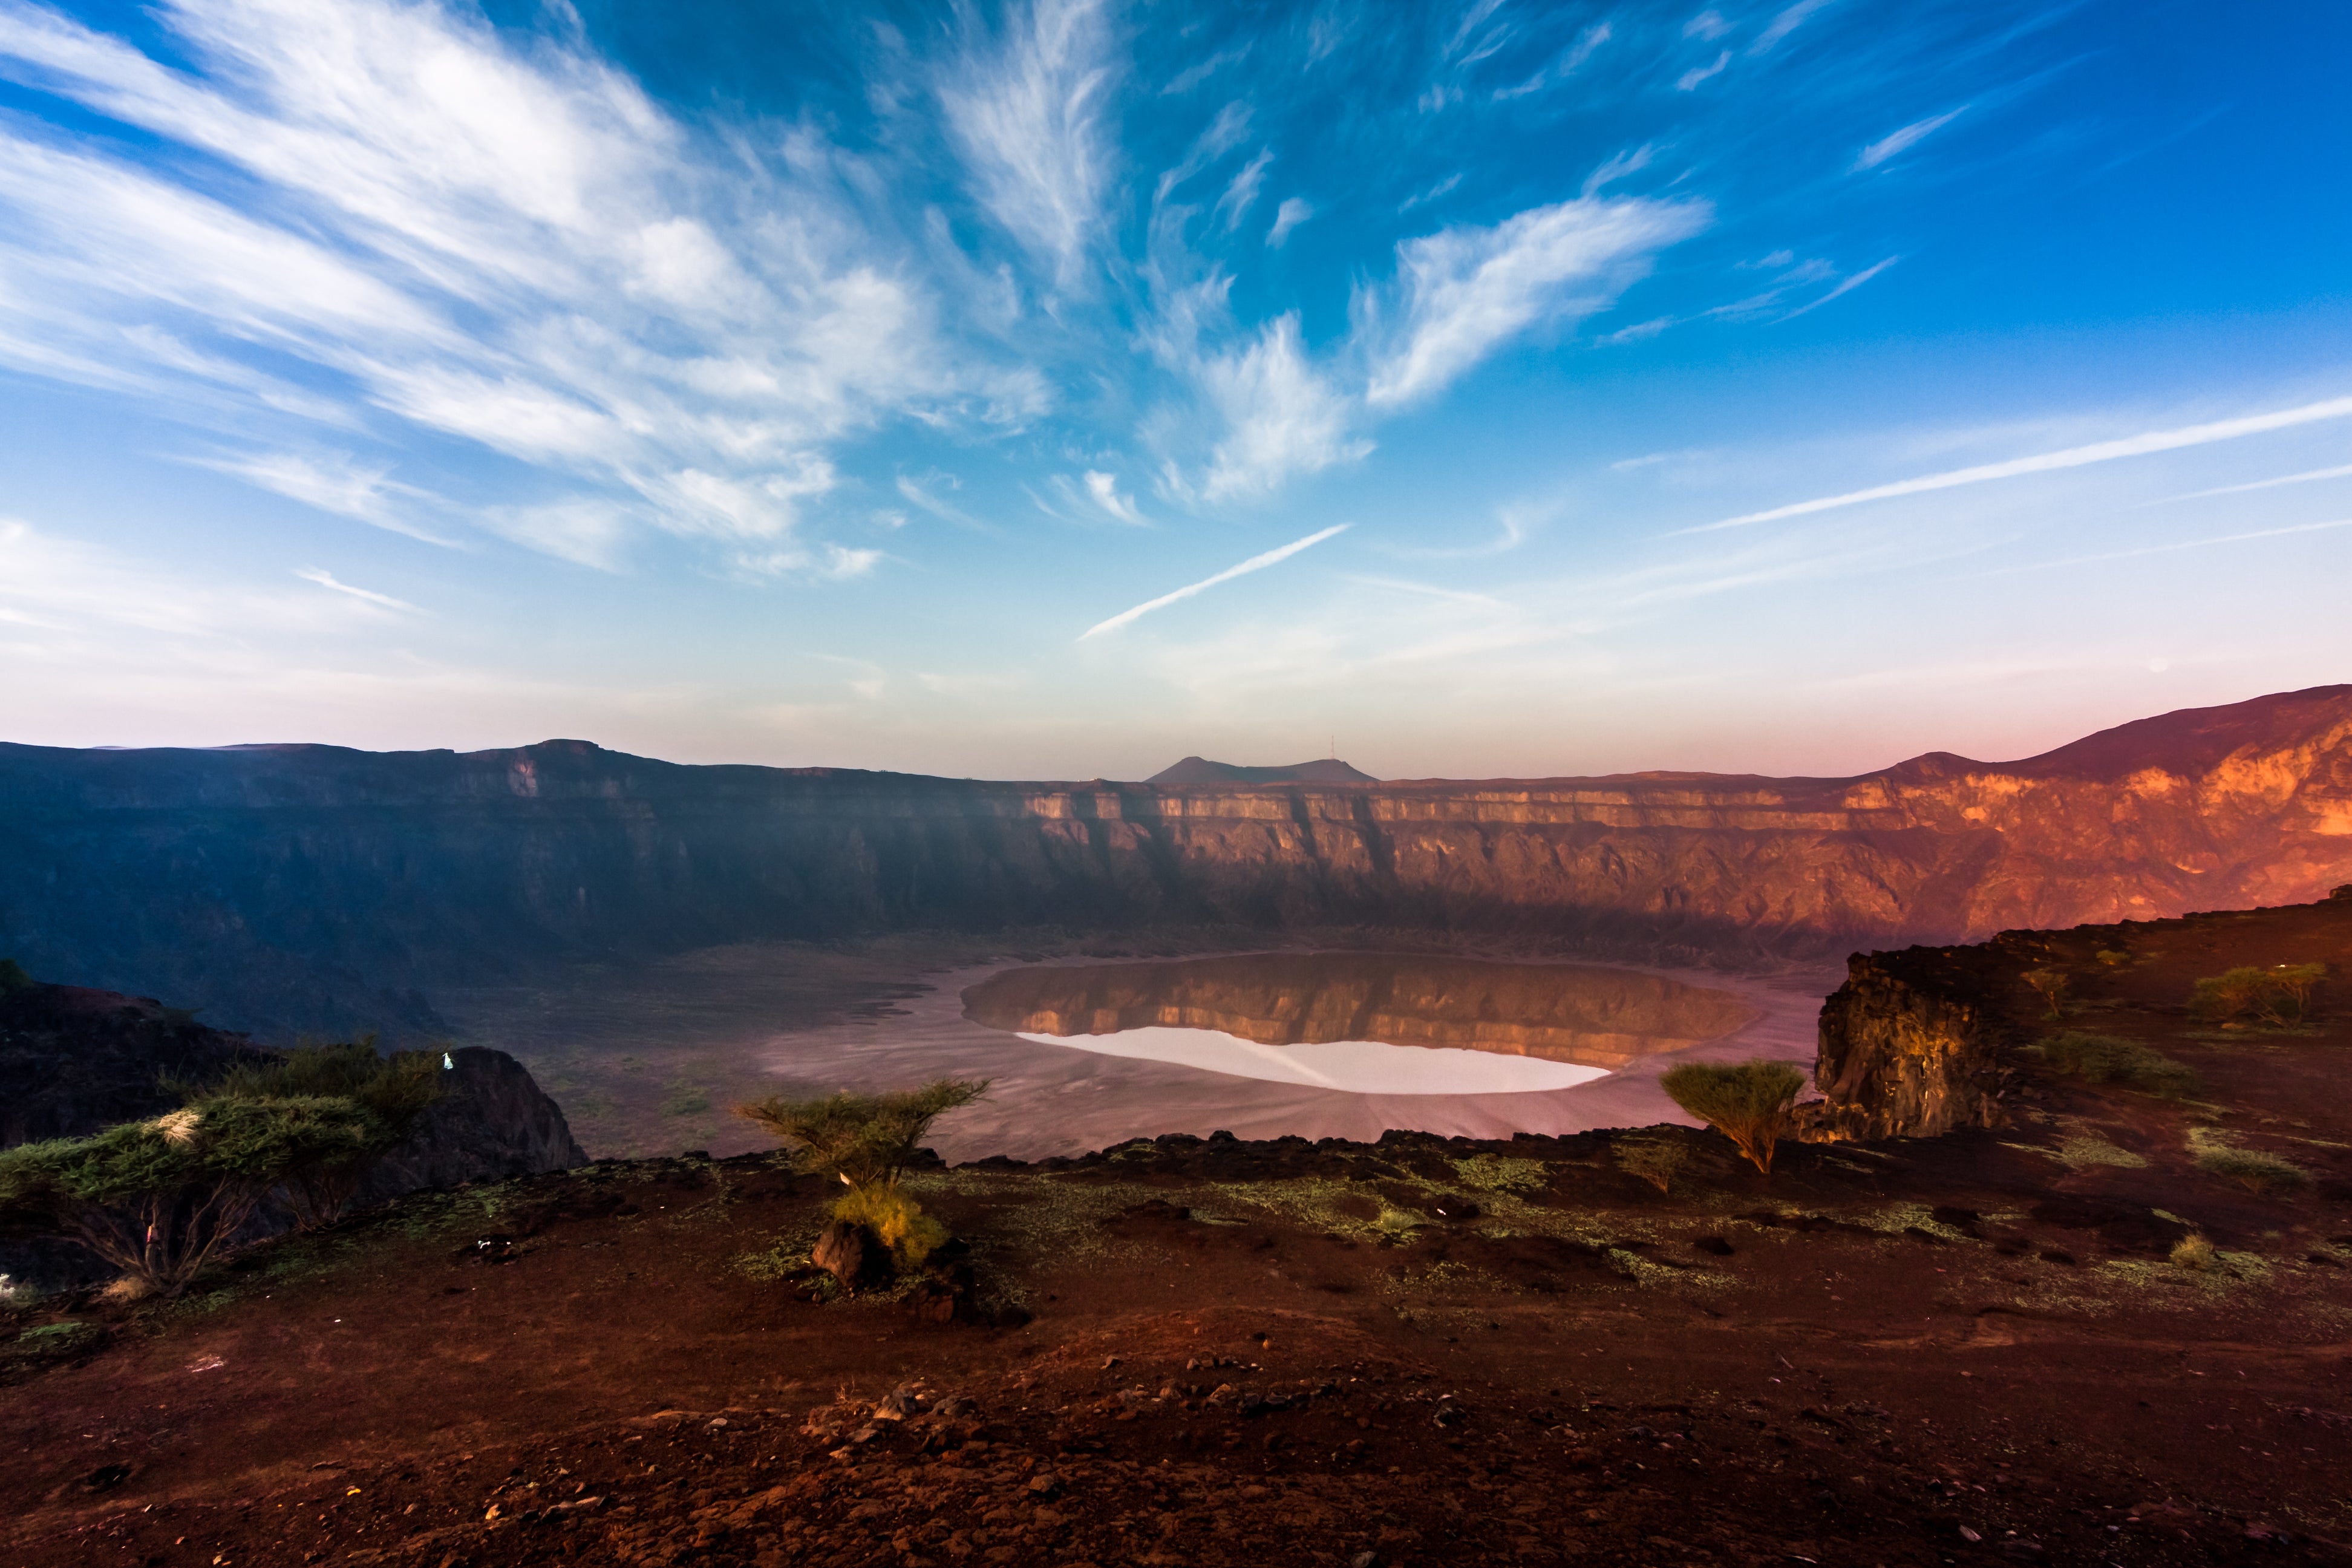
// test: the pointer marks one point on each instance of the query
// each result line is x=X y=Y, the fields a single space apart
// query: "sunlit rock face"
x=1562 y=1012
x=275 y=885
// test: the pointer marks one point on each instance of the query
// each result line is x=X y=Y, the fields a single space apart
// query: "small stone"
x=1046 y=1484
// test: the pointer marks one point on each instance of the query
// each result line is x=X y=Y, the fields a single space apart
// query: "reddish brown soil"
x=1961 y=1351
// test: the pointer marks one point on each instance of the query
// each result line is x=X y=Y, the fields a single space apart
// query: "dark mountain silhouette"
x=1201 y=770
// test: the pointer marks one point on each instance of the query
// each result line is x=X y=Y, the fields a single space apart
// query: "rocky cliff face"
x=1911 y=1047
x=492 y=1121
x=311 y=887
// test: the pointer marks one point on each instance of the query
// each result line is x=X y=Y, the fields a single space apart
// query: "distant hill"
x=1201 y=770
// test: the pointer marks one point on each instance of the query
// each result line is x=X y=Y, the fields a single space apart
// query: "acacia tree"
x=160 y=1199
x=2279 y=997
x=866 y=1142
x=1747 y=1102
x=2051 y=984
x=392 y=1089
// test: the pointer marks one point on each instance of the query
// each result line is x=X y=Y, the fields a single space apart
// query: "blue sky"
x=1053 y=390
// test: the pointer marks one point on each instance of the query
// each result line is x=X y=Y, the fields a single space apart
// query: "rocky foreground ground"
x=1970 y=1349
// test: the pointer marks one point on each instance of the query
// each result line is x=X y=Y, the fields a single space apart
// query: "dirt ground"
x=1967 y=1350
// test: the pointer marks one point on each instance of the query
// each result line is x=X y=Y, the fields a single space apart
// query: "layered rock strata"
x=293 y=887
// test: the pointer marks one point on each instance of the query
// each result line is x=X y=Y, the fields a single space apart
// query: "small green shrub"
x=2278 y=997
x=2194 y=1252
x=896 y=1220
x=13 y=977
x=392 y=1090
x=2108 y=1058
x=1747 y=1102
x=1654 y=1160
x=159 y=1199
x=2251 y=1168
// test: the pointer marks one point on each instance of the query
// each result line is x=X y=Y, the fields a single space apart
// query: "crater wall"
x=293 y=887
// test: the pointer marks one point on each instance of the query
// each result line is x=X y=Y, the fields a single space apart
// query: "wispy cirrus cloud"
x=1030 y=110
x=334 y=482
x=1903 y=140
x=1462 y=292
x=328 y=580
x=1282 y=416
x=436 y=230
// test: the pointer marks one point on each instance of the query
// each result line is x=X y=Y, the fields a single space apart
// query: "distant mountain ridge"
x=1201 y=770
x=299 y=888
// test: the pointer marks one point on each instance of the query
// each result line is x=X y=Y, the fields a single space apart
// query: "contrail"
x=2303 y=479
x=2071 y=457
x=1254 y=564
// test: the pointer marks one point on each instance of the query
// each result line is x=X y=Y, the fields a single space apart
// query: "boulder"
x=852 y=1255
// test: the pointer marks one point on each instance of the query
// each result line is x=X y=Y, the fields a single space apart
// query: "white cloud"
x=1293 y=212
x=1281 y=418
x=334 y=482
x=1104 y=489
x=1242 y=194
x=1560 y=69
x=925 y=494
x=1697 y=74
x=507 y=243
x=1430 y=195
x=1786 y=23
x=1618 y=167
x=1886 y=147
x=71 y=589
x=326 y=579
x=1462 y=292
x=1845 y=286
x=1028 y=113
x=2047 y=462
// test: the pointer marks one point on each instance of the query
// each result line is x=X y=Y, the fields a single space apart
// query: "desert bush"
x=160 y=1199
x=13 y=977
x=866 y=1142
x=2193 y=1251
x=393 y=1090
x=1654 y=1160
x=2051 y=984
x=1747 y=1102
x=861 y=1140
x=2251 y=1168
x=2279 y=997
x=897 y=1221
x=2107 y=1058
